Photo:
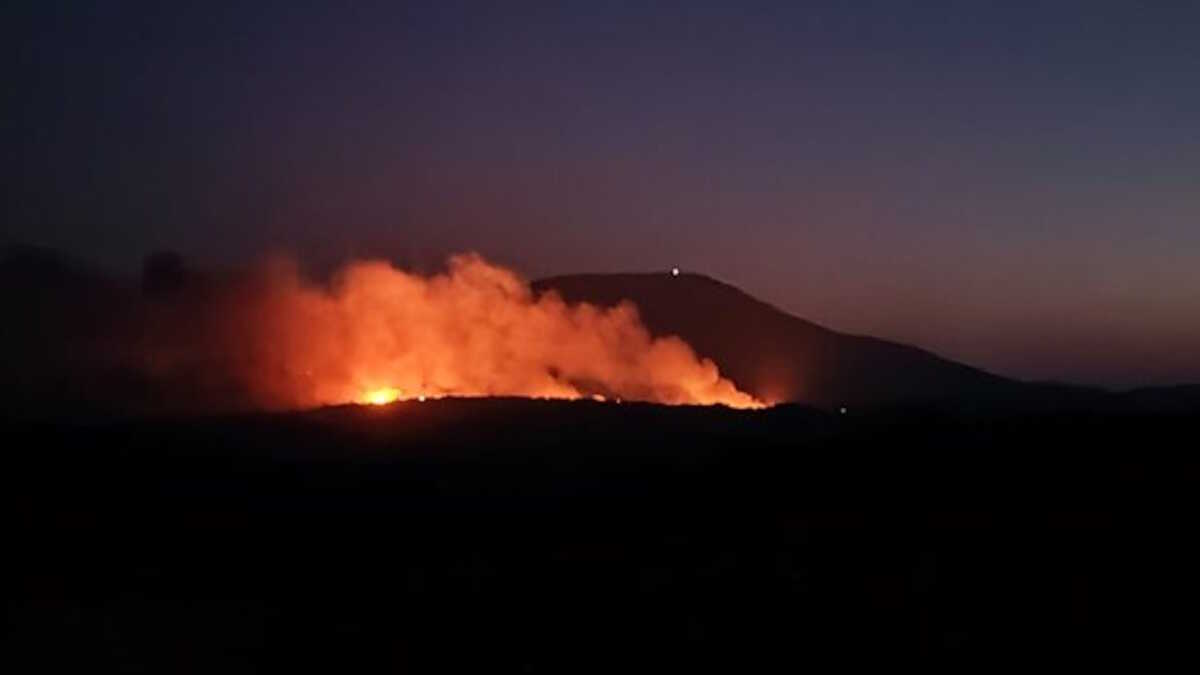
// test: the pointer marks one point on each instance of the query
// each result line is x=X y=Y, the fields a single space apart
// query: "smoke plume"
x=375 y=333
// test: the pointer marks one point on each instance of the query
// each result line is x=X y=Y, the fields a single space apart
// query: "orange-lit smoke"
x=377 y=334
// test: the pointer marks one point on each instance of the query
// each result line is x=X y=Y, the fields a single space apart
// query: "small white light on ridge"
x=674 y=271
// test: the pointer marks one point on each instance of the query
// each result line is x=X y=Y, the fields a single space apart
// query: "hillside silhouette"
x=61 y=356
x=557 y=536
x=582 y=536
x=779 y=357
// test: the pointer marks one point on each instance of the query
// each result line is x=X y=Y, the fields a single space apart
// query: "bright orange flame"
x=380 y=396
x=377 y=334
x=386 y=395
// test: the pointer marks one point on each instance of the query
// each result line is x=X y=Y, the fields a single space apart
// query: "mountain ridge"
x=781 y=357
x=766 y=351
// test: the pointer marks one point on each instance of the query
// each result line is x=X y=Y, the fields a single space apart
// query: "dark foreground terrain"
x=523 y=536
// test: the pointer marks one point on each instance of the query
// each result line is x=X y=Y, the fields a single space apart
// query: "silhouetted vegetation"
x=510 y=535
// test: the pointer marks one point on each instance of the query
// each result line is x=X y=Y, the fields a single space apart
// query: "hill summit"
x=779 y=357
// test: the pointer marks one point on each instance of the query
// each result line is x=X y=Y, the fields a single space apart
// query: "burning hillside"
x=375 y=334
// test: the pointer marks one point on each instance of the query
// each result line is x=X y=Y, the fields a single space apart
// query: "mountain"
x=779 y=357
x=75 y=318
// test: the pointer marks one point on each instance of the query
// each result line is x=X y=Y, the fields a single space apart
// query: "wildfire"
x=376 y=334
x=387 y=395
x=380 y=396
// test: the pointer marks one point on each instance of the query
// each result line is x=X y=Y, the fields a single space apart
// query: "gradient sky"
x=1013 y=184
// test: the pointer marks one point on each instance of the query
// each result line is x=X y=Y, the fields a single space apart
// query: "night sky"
x=1013 y=184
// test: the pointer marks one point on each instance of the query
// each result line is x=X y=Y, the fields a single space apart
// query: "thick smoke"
x=277 y=340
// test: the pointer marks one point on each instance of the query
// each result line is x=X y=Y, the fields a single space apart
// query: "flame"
x=377 y=334
x=380 y=396
x=386 y=395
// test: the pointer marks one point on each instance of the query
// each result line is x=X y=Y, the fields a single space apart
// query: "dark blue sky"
x=1014 y=184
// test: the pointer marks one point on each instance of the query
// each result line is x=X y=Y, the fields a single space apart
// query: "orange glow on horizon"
x=380 y=396
x=386 y=395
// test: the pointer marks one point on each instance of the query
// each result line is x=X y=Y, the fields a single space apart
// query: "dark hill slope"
x=780 y=357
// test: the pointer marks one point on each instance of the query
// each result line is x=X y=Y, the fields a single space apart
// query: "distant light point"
x=674 y=271
x=842 y=410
